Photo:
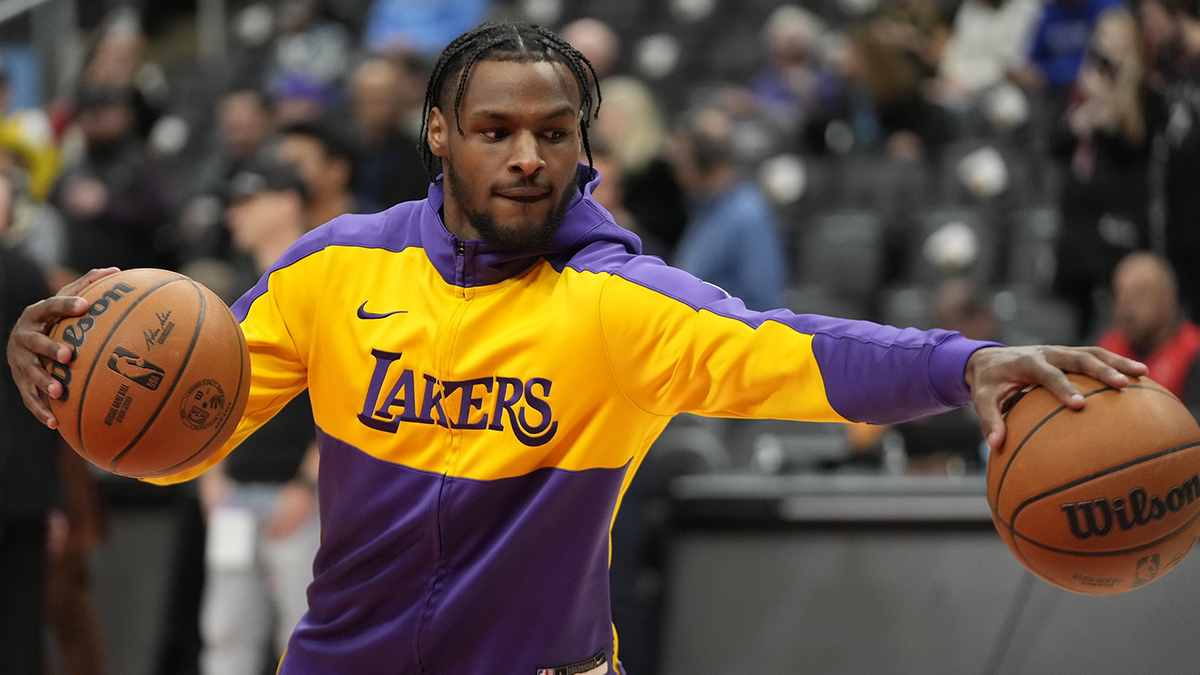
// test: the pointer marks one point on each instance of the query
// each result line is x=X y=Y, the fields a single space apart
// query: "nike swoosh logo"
x=364 y=314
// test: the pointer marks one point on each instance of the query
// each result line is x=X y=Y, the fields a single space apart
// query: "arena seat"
x=871 y=180
x=1034 y=235
x=906 y=306
x=1027 y=317
x=844 y=252
x=822 y=299
x=948 y=241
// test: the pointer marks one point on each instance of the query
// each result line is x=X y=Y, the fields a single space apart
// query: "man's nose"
x=526 y=156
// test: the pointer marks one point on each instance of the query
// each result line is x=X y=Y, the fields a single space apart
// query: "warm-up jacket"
x=480 y=413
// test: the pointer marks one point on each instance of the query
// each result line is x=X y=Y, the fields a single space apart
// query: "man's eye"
x=495 y=134
x=556 y=134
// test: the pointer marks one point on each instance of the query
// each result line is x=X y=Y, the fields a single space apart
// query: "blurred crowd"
x=986 y=166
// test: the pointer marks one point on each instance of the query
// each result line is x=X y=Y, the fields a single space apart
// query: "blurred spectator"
x=610 y=194
x=732 y=238
x=1060 y=40
x=1182 y=132
x=1148 y=326
x=297 y=98
x=887 y=103
x=71 y=609
x=118 y=61
x=260 y=501
x=36 y=229
x=27 y=135
x=989 y=38
x=309 y=45
x=325 y=163
x=1160 y=34
x=960 y=305
x=1104 y=139
x=597 y=41
x=422 y=27
x=243 y=125
x=795 y=90
x=29 y=486
x=387 y=168
x=115 y=198
x=631 y=127
x=917 y=28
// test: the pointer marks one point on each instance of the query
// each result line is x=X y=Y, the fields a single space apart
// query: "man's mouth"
x=527 y=195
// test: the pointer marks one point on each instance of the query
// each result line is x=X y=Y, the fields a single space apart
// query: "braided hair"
x=520 y=42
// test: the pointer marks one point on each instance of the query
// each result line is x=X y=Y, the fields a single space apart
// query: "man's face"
x=1144 y=304
x=251 y=220
x=377 y=100
x=243 y=122
x=1158 y=26
x=322 y=174
x=511 y=174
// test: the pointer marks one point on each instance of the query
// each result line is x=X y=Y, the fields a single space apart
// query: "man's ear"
x=439 y=131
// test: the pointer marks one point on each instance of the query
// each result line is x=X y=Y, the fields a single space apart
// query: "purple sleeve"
x=882 y=375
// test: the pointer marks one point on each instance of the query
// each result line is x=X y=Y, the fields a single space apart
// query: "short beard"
x=539 y=235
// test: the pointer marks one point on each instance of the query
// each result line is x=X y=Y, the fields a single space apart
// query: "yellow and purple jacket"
x=480 y=413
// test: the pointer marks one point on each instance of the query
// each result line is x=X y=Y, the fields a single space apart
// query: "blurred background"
x=1025 y=171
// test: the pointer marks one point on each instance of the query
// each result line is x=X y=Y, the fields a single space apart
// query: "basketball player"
x=488 y=366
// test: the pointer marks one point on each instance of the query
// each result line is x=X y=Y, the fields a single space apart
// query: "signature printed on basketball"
x=159 y=335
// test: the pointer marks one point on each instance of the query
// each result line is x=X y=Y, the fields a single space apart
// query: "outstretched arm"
x=685 y=346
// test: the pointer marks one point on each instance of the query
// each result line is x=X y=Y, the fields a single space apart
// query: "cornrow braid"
x=517 y=41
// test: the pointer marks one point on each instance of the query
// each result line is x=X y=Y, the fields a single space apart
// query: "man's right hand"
x=29 y=343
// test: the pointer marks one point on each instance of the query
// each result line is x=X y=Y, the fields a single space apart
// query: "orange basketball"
x=1102 y=500
x=160 y=374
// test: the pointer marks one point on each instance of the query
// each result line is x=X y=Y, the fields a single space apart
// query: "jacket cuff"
x=948 y=367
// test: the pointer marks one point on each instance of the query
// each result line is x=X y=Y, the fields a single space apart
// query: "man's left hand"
x=996 y=374
x=293 y=508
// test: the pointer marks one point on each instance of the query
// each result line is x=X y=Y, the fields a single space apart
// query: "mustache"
x=536 y=182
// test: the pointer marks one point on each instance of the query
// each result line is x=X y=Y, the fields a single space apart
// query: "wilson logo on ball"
x=1096 y=518
x=76 y=334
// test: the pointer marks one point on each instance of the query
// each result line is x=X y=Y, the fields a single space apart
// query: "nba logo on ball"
x=135 y=368
x=1147 y=570
x=1102 y=500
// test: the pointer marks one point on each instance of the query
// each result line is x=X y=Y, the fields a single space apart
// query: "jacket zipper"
x=443 y=356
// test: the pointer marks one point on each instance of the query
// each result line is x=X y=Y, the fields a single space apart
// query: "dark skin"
x=517 y=157
x=515 y=162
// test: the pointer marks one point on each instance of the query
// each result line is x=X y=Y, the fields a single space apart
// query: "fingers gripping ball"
x=1102 y=500
x=159 y=378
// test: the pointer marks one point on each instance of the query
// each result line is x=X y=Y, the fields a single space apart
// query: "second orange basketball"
x=1102 y=500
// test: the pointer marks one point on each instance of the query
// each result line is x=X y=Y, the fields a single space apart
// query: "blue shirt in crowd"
x=1062 y=37
x=733 y=241
x=424 y=26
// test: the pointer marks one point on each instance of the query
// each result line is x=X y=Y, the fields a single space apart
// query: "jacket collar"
x=472 y=262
